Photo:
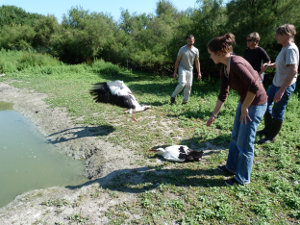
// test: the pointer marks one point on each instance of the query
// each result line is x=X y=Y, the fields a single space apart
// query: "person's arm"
x=262 y=69
x=176 y=66
x=267 y=65
x=244 y=109
x=217 y=109
x=197 y=62
x=287 y=82
x=223 y=94
x=265 y=58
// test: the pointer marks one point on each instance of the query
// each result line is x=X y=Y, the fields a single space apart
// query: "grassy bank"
x=192 y=193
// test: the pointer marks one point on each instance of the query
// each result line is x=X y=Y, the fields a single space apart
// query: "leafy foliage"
x=146 y=42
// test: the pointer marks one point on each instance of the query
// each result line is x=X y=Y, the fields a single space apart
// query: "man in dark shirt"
x=255 y=54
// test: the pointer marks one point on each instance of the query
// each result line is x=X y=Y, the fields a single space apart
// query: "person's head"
x=190 y=39
x=252 y=40
x=221 y=46
x=285 y=33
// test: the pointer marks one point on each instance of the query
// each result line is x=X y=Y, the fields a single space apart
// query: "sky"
x=111 y=7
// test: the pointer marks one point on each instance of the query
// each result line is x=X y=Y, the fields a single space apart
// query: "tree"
x=208 y=21
x=17 y=37
x=11 y=15
x=44 y=29
x=83 y=36
x=262 y=16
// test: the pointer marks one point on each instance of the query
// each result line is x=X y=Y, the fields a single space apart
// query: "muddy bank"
x=78 y=142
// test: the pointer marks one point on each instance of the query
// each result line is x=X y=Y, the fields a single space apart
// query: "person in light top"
x=187 y=55
x=284 y=82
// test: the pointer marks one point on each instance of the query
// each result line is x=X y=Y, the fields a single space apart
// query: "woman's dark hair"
x=222 y=44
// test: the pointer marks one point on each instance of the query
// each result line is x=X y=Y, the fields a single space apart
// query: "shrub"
x=29 y=59
x=102 y=67
x=8 y=62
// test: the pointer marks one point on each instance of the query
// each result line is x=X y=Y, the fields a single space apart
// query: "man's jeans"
x=185 y=81
x=241 y=147
x=278 y=109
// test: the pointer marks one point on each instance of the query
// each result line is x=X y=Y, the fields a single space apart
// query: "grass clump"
x=102 y=67
x=56 y=203
x=12 y=61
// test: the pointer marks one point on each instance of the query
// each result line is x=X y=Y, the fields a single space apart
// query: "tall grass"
x=12 y=61
x=102 y=67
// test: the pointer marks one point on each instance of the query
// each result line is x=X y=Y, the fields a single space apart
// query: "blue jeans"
x=263 y=77
x=241 y=147
x=278 y=109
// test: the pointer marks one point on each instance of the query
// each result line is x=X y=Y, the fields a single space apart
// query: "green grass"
x=192 y=193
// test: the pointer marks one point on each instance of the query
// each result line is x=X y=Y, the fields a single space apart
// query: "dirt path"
x=62 y=204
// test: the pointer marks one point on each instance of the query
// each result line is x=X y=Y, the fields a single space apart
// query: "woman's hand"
x=211 y=120
x=244 y=116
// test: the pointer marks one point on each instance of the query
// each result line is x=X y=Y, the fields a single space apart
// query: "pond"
x=27 y=161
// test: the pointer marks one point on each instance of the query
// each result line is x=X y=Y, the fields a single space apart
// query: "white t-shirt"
x=188 y=56
x=287 y=56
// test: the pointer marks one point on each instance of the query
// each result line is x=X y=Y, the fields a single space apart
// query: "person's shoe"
x=225 y=171
x=232 y=182
x=184 y=103
x=261 y=133
x=266 y=140
x=268 y=126
x=271 y=135
x=172 y=100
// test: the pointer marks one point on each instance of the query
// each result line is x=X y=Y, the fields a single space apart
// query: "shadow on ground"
x=220 y=142
x=80 y=132
x=142 y=179
x=192 y=114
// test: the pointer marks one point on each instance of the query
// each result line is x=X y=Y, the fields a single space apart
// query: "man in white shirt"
x=187 y=55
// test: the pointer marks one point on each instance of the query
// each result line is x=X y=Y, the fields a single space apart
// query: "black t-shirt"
x=256 y=57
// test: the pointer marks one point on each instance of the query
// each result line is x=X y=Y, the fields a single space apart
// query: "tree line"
x=147 y=42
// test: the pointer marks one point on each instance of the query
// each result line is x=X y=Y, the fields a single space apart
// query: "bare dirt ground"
x=58 y=205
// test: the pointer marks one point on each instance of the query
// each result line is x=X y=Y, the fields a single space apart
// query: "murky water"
x=27 y=161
